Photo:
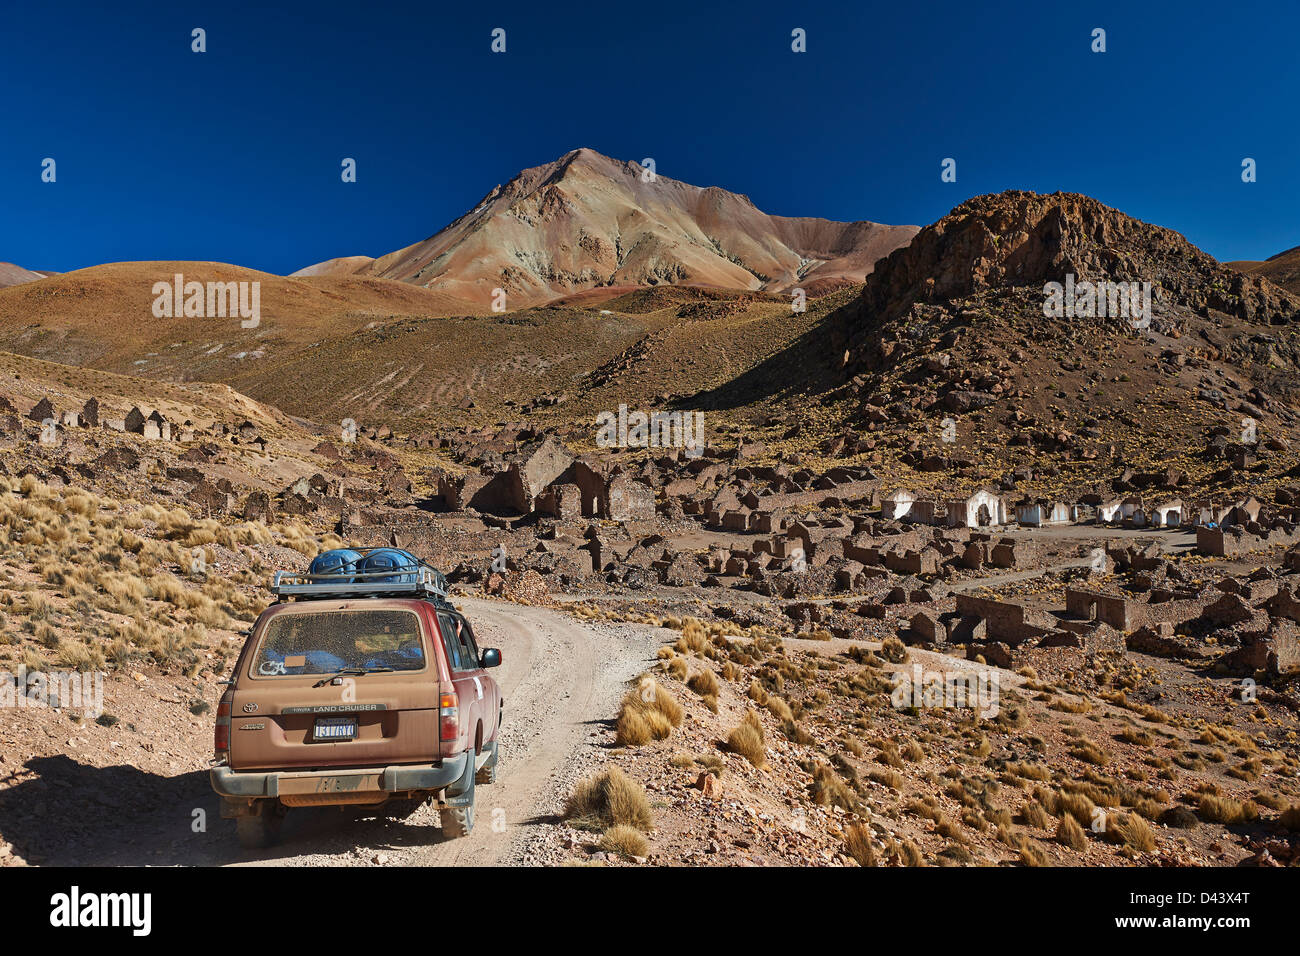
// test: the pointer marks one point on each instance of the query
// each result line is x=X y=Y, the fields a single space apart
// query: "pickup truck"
x=362 y=694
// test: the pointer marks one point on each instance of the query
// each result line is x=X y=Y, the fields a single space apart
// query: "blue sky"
x=234 y=154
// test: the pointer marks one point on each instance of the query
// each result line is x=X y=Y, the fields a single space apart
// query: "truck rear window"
x=322 y=642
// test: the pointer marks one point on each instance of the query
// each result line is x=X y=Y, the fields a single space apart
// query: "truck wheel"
x=262 y=828
x=488 y=772
x=458 y=821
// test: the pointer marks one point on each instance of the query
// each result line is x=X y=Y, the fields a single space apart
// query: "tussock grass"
x=747 y=740
x=1071 y=834
x=1130 y=830
x=1089 y=752
x=893 y=650
x=829 y=790
x=1217 y=809
x=648 y=712
x=607 y=800
x=704 y=683
x=624 y=840
x=858 y=844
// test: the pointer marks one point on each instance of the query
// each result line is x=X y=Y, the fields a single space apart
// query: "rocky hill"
x=586 y=220
x=956 y=327
x=1282 y=269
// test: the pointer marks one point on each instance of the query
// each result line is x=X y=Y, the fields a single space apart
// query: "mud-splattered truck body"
x=357 y=694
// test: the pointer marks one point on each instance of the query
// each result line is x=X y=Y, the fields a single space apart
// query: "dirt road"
x=561 y=681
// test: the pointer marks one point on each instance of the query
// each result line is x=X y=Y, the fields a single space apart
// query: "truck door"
x=462 y=659
x=490 y=704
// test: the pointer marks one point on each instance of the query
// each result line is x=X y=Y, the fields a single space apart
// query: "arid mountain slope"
x=103 y=318
x=1282 y=269
x=954 y=325
x=11 y=274
x=586 y=220
x=377 y=350
x=343 y=266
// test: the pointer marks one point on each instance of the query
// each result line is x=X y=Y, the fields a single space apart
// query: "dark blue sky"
x=234 y=154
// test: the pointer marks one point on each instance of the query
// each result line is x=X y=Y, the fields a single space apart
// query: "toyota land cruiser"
x=357 y=687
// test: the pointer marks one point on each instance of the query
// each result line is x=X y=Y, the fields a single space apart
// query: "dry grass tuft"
x=748 y=741
x=704 y=683
x=607 y=800
x=624 y=840
x=1216 y=809
x=648 y=713
x=1071 y=834
x=857 y=842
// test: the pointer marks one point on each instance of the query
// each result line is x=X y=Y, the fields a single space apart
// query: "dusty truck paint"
x=375 y=701
x=396 y=713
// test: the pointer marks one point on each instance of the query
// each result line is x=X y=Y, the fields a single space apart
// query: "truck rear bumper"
x=236 y=785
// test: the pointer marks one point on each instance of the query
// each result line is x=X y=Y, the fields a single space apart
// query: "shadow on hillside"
x=807 y=366
x=73 y=814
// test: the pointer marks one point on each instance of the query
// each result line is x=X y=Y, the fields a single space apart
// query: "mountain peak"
x=587 y=220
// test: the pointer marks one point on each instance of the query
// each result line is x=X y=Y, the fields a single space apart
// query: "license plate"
x=335 y=728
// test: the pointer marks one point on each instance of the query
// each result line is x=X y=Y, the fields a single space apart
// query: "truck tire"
x=459 y=821
x=488 y=772
x=262 y=828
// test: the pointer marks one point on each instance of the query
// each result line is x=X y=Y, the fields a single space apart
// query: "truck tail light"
x=221 y=737
x=448 y=716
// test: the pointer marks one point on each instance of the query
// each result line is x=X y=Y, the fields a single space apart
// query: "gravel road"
x=561 y=681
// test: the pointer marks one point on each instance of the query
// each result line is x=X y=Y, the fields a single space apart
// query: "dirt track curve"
x=561 y=681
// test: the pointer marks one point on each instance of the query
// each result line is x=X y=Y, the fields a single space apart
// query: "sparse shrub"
x=704 y=683
x=857 y=842
x=747 y=740
x=609 y=799
x=1071 y=834
x=624 y=840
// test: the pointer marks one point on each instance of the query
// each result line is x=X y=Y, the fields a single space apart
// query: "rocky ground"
x=1147 y=675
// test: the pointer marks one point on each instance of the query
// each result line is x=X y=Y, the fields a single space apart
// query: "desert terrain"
x=941 y=579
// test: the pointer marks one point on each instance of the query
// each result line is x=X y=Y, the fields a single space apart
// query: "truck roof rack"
x=421 y=580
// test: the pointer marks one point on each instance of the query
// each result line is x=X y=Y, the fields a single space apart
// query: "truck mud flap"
x=461 y=793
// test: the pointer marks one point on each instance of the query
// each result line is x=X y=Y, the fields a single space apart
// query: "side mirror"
x=491 y=657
